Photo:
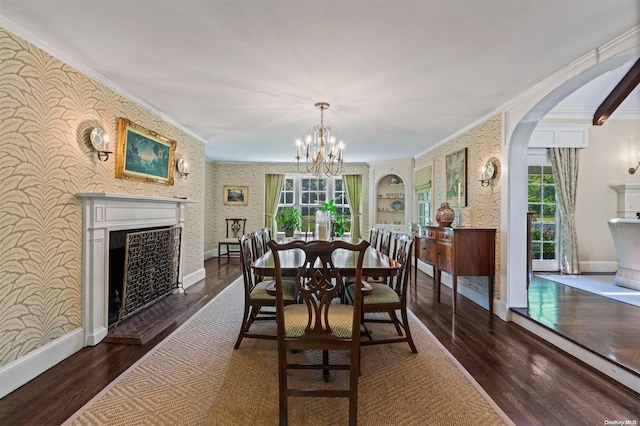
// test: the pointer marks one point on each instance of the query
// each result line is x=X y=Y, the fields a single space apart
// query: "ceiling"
x=243 y=76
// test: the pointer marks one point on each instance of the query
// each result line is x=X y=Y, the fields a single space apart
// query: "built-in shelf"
x=391 y=192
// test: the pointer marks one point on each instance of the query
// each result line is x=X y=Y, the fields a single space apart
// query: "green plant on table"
x=336 y=219
x=288 y=219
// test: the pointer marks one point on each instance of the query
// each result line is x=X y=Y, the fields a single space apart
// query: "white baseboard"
x=194 y=277
x=598 y=267
x=36 y=362
x=608 y=368
x=210 y=253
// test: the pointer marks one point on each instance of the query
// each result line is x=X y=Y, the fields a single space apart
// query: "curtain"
x=272 y=190
x=353 y=187
x=564 y=165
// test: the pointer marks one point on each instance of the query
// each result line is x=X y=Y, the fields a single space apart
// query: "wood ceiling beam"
x=617 y=95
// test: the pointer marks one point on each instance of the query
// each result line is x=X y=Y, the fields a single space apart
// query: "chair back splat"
x=373 y=237
x=235 y=229
x=320 y=322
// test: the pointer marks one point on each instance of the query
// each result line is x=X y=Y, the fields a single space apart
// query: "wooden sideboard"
x=459 y=252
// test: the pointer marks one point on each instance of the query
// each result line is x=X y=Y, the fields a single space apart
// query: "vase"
x=323 y=225
x=445 y=215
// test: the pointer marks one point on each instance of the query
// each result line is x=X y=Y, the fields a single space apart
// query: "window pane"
x=549 y=250
x=305 y=184
x=305 y=198
x=313 y=198
x=534 y=193
x=549 y=212
x=288 y=184
x=338 y=184
x=289 y=198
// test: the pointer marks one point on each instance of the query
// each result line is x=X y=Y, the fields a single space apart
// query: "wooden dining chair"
x=373 y=237
x=318 y=323
x=385 y=241
x=390 y=297
x=259 y=247
x=266 y=237
x=235 y=230
x=256 y=296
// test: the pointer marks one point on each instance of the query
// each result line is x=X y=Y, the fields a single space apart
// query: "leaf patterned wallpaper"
x=219 y=175
x=46 y=113
x=482 y=142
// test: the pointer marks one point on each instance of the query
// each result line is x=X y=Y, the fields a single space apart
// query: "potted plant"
x=288 y=219
x=336 y=219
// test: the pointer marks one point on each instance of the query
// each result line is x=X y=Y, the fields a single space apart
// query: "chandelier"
x=322 y=155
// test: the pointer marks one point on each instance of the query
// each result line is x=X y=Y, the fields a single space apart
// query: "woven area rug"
x=195 y=377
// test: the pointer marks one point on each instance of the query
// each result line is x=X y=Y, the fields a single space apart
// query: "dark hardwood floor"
x=534 y=383
x=612 y=328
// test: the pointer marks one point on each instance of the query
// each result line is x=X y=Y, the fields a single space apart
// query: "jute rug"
x=195 y=377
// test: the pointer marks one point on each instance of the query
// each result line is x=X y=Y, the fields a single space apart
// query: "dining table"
x=375 y=263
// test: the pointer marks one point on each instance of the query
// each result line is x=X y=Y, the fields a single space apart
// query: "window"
x=309 y=193
x=424 y=208
x=542 y=203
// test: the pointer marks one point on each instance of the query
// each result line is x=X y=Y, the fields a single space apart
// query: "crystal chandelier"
x=322 y=155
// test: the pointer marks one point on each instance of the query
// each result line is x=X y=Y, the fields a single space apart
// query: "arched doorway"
x=519 y=123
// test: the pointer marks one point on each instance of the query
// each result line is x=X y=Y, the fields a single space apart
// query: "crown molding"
x=628 y=43
x=31 y=38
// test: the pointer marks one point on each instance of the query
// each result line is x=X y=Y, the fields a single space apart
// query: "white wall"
x=613 y=148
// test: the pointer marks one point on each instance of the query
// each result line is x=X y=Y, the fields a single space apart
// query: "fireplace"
x=143 y=268
x=104 y=214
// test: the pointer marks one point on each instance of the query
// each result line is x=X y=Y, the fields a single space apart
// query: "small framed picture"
x=236 y=195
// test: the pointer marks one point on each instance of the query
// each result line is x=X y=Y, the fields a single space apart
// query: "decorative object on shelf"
x=236 y=195
x=489 y=172
x=396 y=205
x=183 y=168
x=394 y=180
x=456 y=177
x=100 y=142
x=288 y=220
x=445 y=215
x=316 y=149
x=143 y=154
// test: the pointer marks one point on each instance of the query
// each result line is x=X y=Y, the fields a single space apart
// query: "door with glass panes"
x=545 y=229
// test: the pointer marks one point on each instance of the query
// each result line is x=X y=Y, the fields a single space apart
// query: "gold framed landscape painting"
x=142 y=154
x=456 y=178
x=236 y=195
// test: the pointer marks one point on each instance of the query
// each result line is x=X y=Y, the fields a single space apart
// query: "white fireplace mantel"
x=103 y=213
x=628 y=200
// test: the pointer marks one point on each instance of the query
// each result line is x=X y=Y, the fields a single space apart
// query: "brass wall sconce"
x=633 y=170
x=488 y=172
x=183 y=168
x=100 y=142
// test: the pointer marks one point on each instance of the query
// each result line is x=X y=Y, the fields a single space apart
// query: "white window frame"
x=330 y=194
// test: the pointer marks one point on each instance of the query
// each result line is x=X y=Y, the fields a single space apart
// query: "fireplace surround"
x=103 y=213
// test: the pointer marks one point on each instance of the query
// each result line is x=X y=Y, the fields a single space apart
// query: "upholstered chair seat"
x=340 y=320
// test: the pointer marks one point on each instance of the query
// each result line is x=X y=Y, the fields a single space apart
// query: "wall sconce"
x=488 y=172
x=183 y=168
x=100 y=142
x=632 y=170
